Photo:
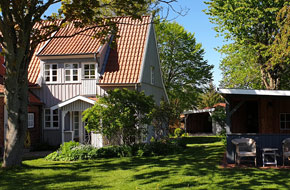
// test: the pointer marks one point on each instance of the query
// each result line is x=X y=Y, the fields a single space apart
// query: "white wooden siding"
x=77 y=106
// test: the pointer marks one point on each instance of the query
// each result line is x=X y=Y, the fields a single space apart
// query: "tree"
x=183 y=66
x=209 y=97
x=23 y=28
x=238 y=68
x=123 y=112
x=253 y=24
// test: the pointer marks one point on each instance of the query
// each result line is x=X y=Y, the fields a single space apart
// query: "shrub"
x=71 y=151
x=178 y=132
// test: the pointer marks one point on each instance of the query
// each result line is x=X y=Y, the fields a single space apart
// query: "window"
x=285 y=120
x=51 y=118
x=50 y=72
x=76 y=123
x=30 y=120
x=152 y=75
x=71 y=72
x=89 y=71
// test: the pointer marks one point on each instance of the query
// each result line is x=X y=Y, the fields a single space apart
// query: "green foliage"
x=182 y=63
x=122 y=111
x=239 y=69
x=71 y=151
x=163 y=116
x=178 y=132
x=255 y=26
x=219 y=116
x=209 y=97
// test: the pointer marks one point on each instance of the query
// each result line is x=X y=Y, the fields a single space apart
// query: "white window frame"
x=152 y=75
x=50 y=72
x=71 y=70
x=284 y=121
x=83 y=71
x=51 y=120
x=30 y=120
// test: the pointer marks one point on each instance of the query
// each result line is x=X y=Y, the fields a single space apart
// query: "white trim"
x=73 y=56
x=255 y=92
x=83 y=70
x=162 y=82
x=145 y=52
x=71 y=75
x=31 y=116
x=76 y=98
x=199 y=111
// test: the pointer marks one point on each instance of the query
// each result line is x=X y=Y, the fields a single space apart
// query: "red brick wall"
x=1 y=122
x=35 y=132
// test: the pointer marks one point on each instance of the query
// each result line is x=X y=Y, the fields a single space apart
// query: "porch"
x=72 y=126
x=262 y=115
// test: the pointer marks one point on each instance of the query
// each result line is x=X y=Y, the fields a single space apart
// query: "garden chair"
x=245 y=147
x=286 y=149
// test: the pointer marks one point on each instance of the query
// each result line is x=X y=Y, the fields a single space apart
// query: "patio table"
x=269 y=156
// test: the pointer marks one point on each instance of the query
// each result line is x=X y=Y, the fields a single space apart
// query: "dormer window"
x=89 y=71
x=50 y=72
x=71 y=72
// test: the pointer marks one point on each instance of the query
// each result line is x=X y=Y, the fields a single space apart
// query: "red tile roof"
x=124 y=63
x=79 y=44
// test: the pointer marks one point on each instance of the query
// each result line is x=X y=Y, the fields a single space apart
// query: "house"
x=263 y=115
x=200 y=121
x=66 y=74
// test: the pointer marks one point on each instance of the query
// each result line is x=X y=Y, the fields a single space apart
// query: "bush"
x=178 y=132
x=71 y=151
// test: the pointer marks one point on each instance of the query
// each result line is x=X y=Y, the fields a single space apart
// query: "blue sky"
x=196 y=21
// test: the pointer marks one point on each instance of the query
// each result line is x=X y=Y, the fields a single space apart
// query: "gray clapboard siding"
x=88 y=87
x=77 y=106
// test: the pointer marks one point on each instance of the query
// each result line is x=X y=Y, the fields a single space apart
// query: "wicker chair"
x=245 y=147
x=286 y=149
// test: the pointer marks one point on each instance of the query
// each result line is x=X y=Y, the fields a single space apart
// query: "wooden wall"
x=198 y=123
x=267 y=116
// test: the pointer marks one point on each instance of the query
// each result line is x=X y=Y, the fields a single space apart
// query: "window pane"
x=47 y=78
x=75 y=72
x=87 y=73
x=67 y=78
x=75 y=66
x=92 y=66
x=87 y=67
x=67 y=72
x=54 y=66
x=54 y=78
x=75 y=78
x=287 y=125
x=282 y=117
x=67 y=66
x=54 y=72
x=92 y=72
x=55 y=118
x=47 y=124
x=287 y=117
x=46 y=67
x=55 y=124
x=55 y=111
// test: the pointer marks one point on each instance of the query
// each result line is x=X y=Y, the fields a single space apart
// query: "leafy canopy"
x=121 y=111
x=256 y=26
x=182 y=63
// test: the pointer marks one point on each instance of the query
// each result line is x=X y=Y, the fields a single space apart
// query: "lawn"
x=196 y=168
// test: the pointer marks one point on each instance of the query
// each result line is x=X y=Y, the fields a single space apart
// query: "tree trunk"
x=16 y=102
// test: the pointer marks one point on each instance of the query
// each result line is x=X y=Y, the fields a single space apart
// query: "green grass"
x=196 y=168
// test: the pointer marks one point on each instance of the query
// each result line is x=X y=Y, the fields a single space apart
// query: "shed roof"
x=254 y=92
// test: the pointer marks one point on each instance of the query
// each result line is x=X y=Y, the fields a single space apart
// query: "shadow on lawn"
x=197 y=167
